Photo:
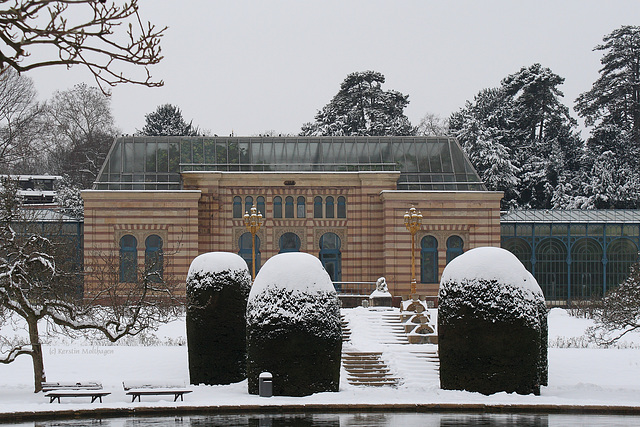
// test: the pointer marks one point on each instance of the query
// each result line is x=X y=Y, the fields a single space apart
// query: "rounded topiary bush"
x=492 y=325
x=218 y=285
x=293 y=327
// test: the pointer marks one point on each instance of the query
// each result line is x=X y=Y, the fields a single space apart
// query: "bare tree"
x=619 y=311
x=36 y=286
x=432 y=124
x=84 y=32
x=20 y=116
x=80 y=133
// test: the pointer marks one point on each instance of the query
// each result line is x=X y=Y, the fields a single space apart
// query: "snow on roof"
x=214 y=262
x=490 y=264
x=295 y=271
x=571 y=216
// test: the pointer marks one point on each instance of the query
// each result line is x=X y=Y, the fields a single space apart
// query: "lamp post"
x=253 y=222
x=413 y=222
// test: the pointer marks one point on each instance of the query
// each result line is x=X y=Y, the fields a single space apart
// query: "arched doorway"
x=289 y=242
x=245 y=251
x=330 y=255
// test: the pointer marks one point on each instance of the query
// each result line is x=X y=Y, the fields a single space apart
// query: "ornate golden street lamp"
x=413 y=222
x=253 y=222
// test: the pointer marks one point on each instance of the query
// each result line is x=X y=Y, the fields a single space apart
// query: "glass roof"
x=150 y=163
x=571 y=216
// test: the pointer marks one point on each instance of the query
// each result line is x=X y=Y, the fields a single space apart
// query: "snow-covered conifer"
x=218 y=285
x=492 y=325
x=293 y=327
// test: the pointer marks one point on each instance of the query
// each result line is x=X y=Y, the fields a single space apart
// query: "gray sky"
x=250 y=66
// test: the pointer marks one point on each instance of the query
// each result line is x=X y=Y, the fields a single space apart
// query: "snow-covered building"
x=341 y=199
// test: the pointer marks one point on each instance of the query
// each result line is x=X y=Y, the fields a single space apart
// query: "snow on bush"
x=492 y=324
x=293 y=327
x=218 y=284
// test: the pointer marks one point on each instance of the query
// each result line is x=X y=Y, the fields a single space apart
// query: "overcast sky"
x=257 y=65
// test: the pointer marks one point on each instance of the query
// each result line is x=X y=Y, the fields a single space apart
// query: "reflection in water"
x=366 y=419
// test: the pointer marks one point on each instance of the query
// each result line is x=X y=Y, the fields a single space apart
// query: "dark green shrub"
x=492 y=327
x=218 y=285
x=293 y=327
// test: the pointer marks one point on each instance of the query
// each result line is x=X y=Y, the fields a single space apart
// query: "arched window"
x=520 y=249
x=237 y=207
x=302 y=207
x=317 y=207
x=261 y=205
x=621 y=255
x=329 y=207
x=244 y=243
x=153 y=258
x=454 y=247
x=342 y=207
x=277 y=207
x=128 y=259
x=551 y=269
x=330 y=255
x=248 y=204
x=586 y=269
x=288 y=207
x=428 y=260
x=290 y=242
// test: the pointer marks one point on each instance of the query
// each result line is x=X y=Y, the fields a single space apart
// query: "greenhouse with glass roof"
x=150 y=163
x=574 y=254
x=342 y=199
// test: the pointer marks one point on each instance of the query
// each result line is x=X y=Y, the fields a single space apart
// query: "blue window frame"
x=248 y=204
x=237 y=207
x=342 y=207
x=288 y=207
x=260 y=205
x=128 y=259
x=301 y=207
x=329 y=207
x=428 y=260
x=330 y=255
x=454 y=247
x=154 y=258
x=290 y=242
x=244 y=243
x=317 y=207
x=277 y=207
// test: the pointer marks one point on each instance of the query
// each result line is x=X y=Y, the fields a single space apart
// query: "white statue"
x=381 y=285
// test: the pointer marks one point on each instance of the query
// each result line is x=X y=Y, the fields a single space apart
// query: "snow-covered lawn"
x=577 y=376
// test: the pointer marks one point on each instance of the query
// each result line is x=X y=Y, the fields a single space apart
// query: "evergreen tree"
x=612 y=105
x=524 y=124
x=362 y=108
x=167 y=120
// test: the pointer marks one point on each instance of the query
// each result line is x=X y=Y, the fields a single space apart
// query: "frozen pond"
x=367 y=419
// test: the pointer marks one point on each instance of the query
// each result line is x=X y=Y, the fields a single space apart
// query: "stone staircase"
x=367 y=369
x=346 y=331
x=376 y=350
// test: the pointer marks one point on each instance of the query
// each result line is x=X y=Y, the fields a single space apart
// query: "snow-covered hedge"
x=218 y=285
x=293 y=327
x=492 y=325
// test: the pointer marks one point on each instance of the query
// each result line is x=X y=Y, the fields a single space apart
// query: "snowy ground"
x=577 y=376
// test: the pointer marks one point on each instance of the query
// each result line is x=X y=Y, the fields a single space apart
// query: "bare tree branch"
x=80 y=32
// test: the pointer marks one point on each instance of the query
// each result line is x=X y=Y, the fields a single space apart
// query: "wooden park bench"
x=145 y=389
x=55 y=390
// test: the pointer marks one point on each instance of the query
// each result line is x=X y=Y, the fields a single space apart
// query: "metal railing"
x=354 y=288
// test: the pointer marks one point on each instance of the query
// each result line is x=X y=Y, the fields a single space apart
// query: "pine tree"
x=362 y=108
x=167 y=120
x=612 y=105
x=524 y=124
